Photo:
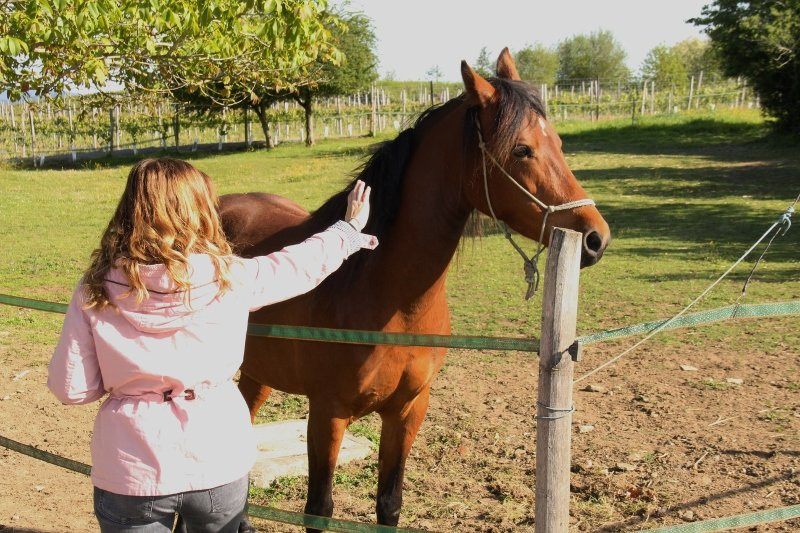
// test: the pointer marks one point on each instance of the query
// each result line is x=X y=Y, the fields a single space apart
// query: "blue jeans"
x=217 y=510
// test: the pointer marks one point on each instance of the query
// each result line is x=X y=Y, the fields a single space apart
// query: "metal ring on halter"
x=531 y=264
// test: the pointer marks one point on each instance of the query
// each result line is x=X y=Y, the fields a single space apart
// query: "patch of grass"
x=282 y=406
x=357 y=475
x=370 y=431
x=282 y=488
x=781 y=418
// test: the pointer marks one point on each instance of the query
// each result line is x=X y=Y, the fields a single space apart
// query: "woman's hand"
x=358 y=206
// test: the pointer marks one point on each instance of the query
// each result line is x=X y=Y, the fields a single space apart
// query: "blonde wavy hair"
x=167 y=212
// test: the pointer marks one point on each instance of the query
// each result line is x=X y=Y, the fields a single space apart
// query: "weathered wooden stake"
x=554 y=405
x=33 y=136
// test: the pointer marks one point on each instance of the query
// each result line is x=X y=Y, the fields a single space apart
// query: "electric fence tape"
x=731 y=522
x=267 y=513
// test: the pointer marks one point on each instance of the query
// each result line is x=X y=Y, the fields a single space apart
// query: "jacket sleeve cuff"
x=354 y=240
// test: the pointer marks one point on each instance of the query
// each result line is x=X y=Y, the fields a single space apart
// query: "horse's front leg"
x=325 y=432
x=398 y=431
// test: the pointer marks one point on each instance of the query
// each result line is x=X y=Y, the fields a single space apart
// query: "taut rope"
x=531 y=264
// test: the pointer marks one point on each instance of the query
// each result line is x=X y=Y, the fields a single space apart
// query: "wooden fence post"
x=554 y=405
x=111 y=130
x=248 y=141
x=33 y=136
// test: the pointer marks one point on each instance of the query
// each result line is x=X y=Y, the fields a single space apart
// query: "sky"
x=415 y=35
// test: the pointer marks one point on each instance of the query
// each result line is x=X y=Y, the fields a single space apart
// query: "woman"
x=158 y=323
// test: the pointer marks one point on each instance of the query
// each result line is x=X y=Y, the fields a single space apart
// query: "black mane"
x=385 y=168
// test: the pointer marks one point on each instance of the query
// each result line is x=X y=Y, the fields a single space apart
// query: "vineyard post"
x=372 y=129
x=545 y=95
x=117 y=129
x=94 y=128
x=339 y=121
x=697 y=91
x=671 y=91
x=597 y=99
x=71 y=134
x=33 y=136
x=554 y=402
x=432 y=100
x=247 y=140
x=110 y=130
x=736 y=92
x=59 y=114
x=13 y=127
x=176 y=127
x=691 y=93
x=644 y=97
x=652 y=97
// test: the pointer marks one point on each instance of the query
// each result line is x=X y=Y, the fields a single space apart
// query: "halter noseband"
x=531 y=265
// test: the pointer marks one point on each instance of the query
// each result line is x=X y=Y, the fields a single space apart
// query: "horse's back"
x=259 y=223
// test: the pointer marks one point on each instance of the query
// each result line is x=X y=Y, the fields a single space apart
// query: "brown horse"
x=425 y=184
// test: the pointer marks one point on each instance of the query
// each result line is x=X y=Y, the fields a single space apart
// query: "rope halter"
x=530 y=264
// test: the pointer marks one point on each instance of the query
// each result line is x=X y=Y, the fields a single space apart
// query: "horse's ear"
x=479 y=91
x=506 y=67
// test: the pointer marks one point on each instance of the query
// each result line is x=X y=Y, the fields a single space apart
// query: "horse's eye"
x=522 y=151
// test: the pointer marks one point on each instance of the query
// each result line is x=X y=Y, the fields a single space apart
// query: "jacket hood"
x=166 y=309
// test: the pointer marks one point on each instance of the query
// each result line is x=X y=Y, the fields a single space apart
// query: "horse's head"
x=522 y=173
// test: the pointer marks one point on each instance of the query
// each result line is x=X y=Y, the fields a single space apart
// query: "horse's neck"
x=415 y=254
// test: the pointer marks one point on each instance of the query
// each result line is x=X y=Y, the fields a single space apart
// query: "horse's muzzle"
x=593 y=247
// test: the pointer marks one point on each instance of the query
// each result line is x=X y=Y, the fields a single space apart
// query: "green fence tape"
x=695 y=319
x=730 y=522
x=320 y=522
x=47 y=457
x=469 y=342
x=348 y=336
x=268 y=513
x=352 y=336
x=39 y=305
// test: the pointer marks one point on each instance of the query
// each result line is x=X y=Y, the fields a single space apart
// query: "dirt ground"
x=653 y=443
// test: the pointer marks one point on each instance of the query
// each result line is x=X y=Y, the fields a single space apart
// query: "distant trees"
x=698 y=55
x=484 y=64
x=760 y=39
x=675 y=64
x=353 y=36
x=665 y=66
x=594 y=56
x=355 y=69
x=537 y=64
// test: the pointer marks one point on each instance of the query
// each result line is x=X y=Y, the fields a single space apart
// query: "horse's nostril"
x=592 y=243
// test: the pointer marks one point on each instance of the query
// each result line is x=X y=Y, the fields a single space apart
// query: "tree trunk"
x=306 y=100
x=261 y=111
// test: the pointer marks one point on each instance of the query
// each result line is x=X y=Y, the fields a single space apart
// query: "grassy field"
x=684 y=198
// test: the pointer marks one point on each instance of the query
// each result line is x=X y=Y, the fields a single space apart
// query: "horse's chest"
x=398 y=374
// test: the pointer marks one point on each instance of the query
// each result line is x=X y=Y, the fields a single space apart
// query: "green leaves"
x=13 y=46
x=760 y=40
x=163 y=45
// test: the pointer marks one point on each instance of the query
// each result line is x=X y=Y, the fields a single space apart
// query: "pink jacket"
x=143 y=445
